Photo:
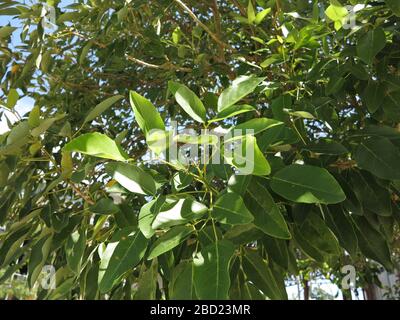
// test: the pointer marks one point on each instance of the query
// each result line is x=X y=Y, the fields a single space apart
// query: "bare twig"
x=165 y=66
x=240 y=7
x=217 y=22
x=201 y=24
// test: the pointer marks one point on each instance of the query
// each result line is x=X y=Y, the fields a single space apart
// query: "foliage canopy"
x=78 y=190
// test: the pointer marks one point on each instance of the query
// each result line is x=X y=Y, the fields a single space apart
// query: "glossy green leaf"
x=380 y=157
x=371 y=44
x=178 y=211
x=98 y=145
x=246 y=156
x=232 y=111
x=339 y=222
x=74 y=248
x=147 y=214
x=101 y=107
x=6 y=31
x=230 y=209
x=257 y=125
x=394 y=5
x=40 y=252
x=147 y=284
x=104 y=206
x=146 y=114
x=240 y=88
x=181 y=286
x=169 y=240
x=211 y=270
x=12 y=97
x=260 y=16
x=327 y=146
x=294 y=183
x=189 y=101
x=132 y=178
x=257 y=271
x=372 y=243
x=120 y=257
x=267 y=216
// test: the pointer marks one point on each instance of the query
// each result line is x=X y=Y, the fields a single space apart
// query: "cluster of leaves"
x=79 y=193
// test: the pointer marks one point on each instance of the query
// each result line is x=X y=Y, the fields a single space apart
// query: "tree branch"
x=201 y=24
x=165 y=66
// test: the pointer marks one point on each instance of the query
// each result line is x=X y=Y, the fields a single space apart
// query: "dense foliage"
x=78 y=189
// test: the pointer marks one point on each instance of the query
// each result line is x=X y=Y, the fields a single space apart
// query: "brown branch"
x=201 y=24
x=240 y=7
x=217 y=22
x=165 y=66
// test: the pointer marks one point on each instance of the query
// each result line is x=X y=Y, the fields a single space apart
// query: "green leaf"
x=98 y=145
x=327 y=146
x=316 y=239
x=338 y=221
x=40 y=252
x=101 y=107
x=394 y=5
x=11 y=245
x=211 y=270
x=6 y=31
x=294 y=183
x=178 y=211
x=132 y=178
x=189 y=101
x=251 y=14
x=261 y=15
x=373 y=96
x=239 y=184
x=336 y=12
x=147 y=285
x=34 y=117
x=75 y=248
x=147 y=214
x=181 y=180
x=267 y=216
x=258 y=272
x=277 y=250
x=181 y=286
x=246 y=156
x=371 y=44
x=169 y=240
x=372 y=244
x=243 y=234
x=230 y=209
x=45 y=125
x=257 y=125
x=380 y=157
x=279 y=105
x=240 y=88
x=120 y=257
x=146 y=114
x=232 y=111
x=372 y=196
x=12 y=97
x=104 y=206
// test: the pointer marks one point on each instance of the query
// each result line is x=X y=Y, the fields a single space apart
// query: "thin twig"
x=201 y=24
x=240 y=7
x=165 y=66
